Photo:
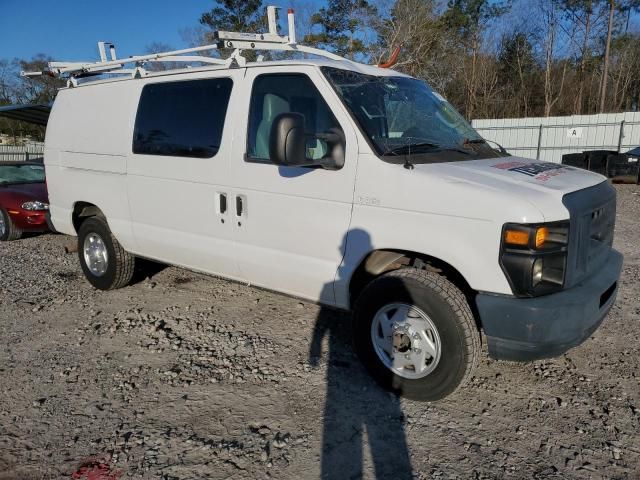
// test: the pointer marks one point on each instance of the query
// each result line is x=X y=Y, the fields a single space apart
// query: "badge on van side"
x=371 y=201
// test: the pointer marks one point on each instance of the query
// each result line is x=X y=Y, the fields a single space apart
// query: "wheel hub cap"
x=96 y=257
x=406 y=340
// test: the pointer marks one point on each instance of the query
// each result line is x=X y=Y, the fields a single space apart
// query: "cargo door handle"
x=221 y=206
x=241 y=208
x=222 y=203
x=239 y=205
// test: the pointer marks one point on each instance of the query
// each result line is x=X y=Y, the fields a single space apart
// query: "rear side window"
x=182 y=119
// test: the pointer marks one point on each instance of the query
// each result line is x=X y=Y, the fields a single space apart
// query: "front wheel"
x=415 y=333
x=105 y=264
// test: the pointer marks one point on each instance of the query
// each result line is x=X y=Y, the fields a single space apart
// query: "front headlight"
x=35 y=205
x=534 y=257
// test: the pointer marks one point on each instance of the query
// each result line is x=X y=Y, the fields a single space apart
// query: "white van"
x=350 y=185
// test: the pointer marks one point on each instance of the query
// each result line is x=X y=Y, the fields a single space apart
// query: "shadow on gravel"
x=356 y=405
x=146 y=269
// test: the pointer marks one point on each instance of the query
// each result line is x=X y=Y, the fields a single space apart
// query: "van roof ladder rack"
x=236 y=41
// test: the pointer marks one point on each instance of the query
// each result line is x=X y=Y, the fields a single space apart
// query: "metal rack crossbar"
x=236 y=41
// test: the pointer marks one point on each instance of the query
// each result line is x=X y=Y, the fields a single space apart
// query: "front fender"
x=470 y=246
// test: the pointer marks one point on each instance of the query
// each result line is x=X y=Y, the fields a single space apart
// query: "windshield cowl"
x=425 y=147
x=439 y=156
x=434 y=153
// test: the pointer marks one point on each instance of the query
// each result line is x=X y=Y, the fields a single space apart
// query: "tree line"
x=490 y=58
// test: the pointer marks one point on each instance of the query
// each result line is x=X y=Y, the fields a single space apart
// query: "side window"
x=274 y=94
x=182 y=119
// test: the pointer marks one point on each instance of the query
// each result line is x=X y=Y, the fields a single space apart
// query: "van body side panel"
x=93 y=119
x=106 y=190
x=85 y=155
x=60 y=207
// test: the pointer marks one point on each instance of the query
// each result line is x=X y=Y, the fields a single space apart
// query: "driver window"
x=274 y=94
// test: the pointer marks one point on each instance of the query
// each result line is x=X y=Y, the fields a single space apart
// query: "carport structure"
x=36 y=114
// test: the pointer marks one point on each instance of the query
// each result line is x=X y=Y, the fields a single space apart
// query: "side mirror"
x=288 y=143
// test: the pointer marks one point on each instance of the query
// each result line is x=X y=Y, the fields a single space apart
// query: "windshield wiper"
x=399 y=150
x=469 y=141
x=473 y=140
x=437 y=147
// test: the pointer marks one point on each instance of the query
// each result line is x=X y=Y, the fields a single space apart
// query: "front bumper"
x=33 y=221
x=524 y=329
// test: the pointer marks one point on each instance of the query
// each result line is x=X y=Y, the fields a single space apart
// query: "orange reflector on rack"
x=542 y=234
x=516 y=237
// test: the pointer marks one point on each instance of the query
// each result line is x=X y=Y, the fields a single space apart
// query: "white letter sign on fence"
x=575 y=132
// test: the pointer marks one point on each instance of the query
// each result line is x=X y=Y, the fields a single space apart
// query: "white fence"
x=13 y=153
x=544 y=138
x=551 y=137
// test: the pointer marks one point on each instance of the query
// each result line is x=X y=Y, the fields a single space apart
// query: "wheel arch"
x=83 y=210
x=378 y=262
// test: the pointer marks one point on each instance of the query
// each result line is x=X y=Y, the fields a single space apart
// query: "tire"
x=9 y=231
x=116 y=270
x=432 y=303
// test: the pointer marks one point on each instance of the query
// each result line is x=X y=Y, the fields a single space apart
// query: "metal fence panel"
x=19 y=153
x=550 y=138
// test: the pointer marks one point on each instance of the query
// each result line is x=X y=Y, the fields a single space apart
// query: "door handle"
x=239 y=206
x=222 y=203
x=221 y=206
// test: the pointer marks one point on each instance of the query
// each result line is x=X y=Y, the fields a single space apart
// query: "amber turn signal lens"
x=516 y=237
x=542 y=234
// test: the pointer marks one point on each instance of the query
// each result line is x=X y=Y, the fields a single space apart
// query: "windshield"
x=13 y=174
x=398 y=113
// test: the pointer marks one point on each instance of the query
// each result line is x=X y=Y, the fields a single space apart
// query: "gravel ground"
x=187 y=376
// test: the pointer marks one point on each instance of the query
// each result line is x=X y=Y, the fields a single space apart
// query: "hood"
x=27 y=191
x=541 y=184
x=536 y=175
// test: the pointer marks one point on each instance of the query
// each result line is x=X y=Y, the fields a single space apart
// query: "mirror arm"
x=327 y=137
x=327 y=163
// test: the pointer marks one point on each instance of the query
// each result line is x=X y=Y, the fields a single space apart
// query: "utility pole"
x=605 y=70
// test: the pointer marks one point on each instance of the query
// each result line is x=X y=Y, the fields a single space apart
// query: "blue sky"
x=70 y=29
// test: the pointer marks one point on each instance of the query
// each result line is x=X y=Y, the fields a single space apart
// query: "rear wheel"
x=416 y=334
x=105 y=264
x=8 y=230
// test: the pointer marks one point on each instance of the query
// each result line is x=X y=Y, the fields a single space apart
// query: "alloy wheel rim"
x=406 y=340
x=3 y=225
x=96 y=257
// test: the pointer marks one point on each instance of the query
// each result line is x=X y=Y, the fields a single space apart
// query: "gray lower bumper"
x=531 y=328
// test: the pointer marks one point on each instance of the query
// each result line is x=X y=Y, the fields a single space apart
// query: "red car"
x=24 y=202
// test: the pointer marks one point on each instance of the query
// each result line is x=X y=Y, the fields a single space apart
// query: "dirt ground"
x=184 y=376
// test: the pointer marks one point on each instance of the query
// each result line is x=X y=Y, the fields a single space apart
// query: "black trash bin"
x=624 y=168
x=597 y=160
x=594 y=160
x=575 y=160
